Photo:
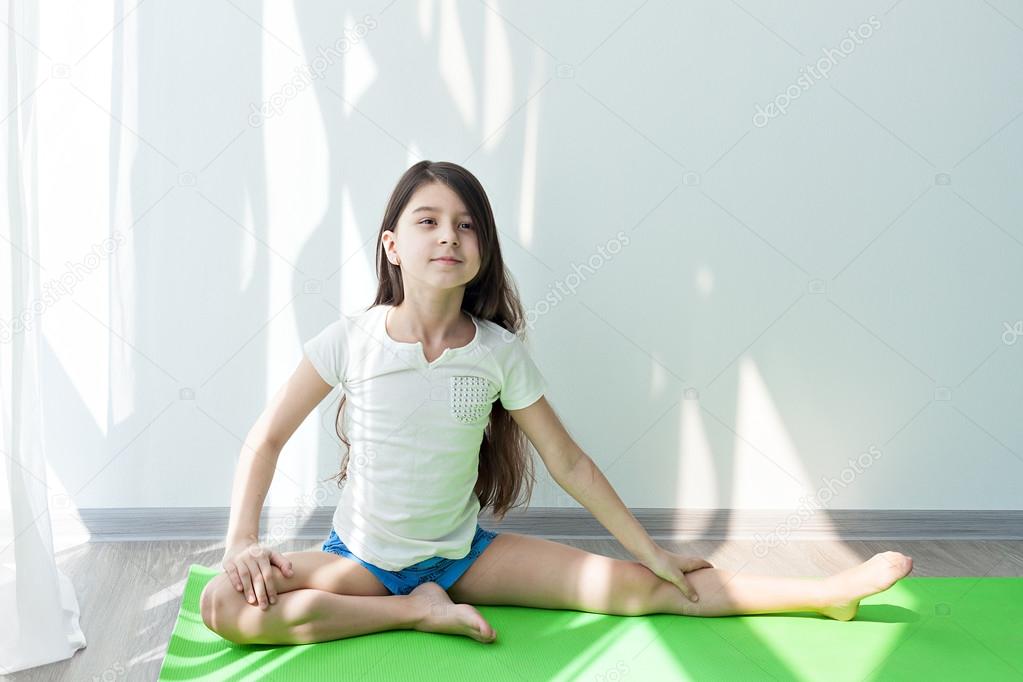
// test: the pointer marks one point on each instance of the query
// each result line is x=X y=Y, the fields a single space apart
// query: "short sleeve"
x=327 y=352
x=523 y=383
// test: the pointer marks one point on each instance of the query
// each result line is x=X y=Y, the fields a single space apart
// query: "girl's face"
x=434 y=225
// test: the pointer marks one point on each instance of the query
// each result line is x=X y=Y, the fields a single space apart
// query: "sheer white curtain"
x=38 y=608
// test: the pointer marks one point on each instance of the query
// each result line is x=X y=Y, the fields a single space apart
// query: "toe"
x=485 y=630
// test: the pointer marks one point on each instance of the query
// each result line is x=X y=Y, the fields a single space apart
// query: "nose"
x=453 y=239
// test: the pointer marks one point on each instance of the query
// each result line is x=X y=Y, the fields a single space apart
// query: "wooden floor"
x=129 y=592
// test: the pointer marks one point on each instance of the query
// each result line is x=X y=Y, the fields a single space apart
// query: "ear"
x=390 y=248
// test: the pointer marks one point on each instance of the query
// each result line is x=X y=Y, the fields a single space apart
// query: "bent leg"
x=331 y=597
x=310 y=615
x=327 y=597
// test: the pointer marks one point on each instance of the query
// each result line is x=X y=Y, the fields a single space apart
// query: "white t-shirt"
x=416 y=430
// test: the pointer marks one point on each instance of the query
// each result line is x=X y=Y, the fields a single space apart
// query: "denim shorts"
x=436 y=569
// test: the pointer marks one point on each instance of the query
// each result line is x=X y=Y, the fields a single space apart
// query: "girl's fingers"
x=243 y=575
x=254 y=576
x=268 y=578
x=279 y=560
x=697 y=564
x=258 y=582
x=232 y=575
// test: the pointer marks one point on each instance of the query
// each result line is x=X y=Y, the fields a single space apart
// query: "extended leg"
x=522 y=570
x=727 y=593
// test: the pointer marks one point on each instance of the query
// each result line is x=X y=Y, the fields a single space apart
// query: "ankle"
x=417 y=607
x=825 y=592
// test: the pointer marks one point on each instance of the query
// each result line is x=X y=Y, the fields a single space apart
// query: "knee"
x=216 y=608
x=641 y=594
x=207 y=603
x=661 y=596
x=697 y=580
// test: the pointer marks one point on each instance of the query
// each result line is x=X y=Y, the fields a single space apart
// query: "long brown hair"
x=505 y=465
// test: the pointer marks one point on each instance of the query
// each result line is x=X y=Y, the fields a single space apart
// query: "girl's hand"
x=249 y=567
x=671 y=567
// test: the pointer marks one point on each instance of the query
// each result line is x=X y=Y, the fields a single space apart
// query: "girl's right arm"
x=247 y=564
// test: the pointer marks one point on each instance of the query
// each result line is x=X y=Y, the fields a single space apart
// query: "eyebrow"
x=434 y=209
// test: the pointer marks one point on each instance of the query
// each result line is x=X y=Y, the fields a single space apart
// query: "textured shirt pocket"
x=469 y=400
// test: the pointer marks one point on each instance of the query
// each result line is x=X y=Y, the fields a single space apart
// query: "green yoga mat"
x=920 y=629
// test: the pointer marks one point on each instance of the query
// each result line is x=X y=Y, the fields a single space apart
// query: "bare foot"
x=443 y=615
x=876 y=574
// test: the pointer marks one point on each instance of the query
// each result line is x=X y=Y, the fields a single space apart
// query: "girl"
x=441 y=394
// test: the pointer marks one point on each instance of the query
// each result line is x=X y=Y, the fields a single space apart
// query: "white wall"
x=771 y=294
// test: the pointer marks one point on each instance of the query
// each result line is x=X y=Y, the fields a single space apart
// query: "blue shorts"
x=436 y=569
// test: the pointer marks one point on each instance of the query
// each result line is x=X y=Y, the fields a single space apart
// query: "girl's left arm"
x=580 y=477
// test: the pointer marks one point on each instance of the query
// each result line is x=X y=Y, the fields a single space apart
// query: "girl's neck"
x=430 y=321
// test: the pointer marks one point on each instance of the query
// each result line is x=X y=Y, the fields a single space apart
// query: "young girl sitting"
x=441 y=394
